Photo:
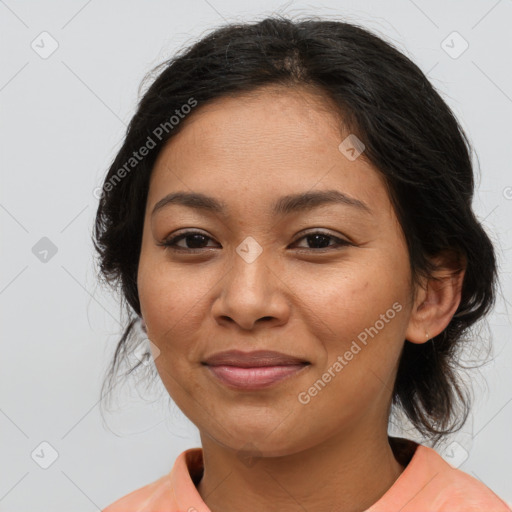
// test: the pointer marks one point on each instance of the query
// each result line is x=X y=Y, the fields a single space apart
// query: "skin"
x=264 y=450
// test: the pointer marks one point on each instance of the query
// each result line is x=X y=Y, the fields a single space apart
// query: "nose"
x=251 y=293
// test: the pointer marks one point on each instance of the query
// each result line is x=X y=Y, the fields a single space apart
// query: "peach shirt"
x=427 y=484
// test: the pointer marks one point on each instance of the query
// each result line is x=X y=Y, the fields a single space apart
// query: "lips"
x=254 y=359
x=253 y=370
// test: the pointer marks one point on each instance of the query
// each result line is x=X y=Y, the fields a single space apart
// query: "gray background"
x=63 y=117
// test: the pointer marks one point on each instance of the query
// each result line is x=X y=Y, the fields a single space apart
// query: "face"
x=325 y=279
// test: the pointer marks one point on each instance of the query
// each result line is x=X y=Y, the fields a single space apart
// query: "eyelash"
x=170 y=243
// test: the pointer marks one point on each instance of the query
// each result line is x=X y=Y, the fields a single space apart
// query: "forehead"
x=262 y=145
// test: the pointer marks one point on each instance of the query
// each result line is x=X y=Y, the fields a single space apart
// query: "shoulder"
x=459 y=491
x=164 y=493
x=143 y=497
x=452 y=490
x=428 y=482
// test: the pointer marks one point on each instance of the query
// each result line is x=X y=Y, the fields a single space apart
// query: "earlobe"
x=436 y=304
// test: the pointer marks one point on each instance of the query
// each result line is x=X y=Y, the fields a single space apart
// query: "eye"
x=319 y=238
x=193 y=240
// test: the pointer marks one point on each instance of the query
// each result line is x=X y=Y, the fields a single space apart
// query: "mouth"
x=253 y=370
x=254 y=378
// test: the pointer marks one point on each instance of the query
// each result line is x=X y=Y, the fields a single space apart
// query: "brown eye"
x=321 y=240
x=193 y=240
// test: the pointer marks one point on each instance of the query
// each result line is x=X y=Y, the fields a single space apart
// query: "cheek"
x=170 y=307
x=358 y=312
x=348 y=297
x=167 y=295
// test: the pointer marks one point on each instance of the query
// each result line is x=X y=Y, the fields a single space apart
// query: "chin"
x=256 y=441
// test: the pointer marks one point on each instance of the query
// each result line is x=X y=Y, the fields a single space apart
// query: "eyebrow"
x=283 y=206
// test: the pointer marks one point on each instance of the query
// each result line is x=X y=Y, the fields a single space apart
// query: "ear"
x=437 y=299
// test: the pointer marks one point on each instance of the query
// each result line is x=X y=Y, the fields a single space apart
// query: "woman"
x=290 y=219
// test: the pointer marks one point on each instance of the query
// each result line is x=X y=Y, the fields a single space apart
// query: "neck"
x=349 y=472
